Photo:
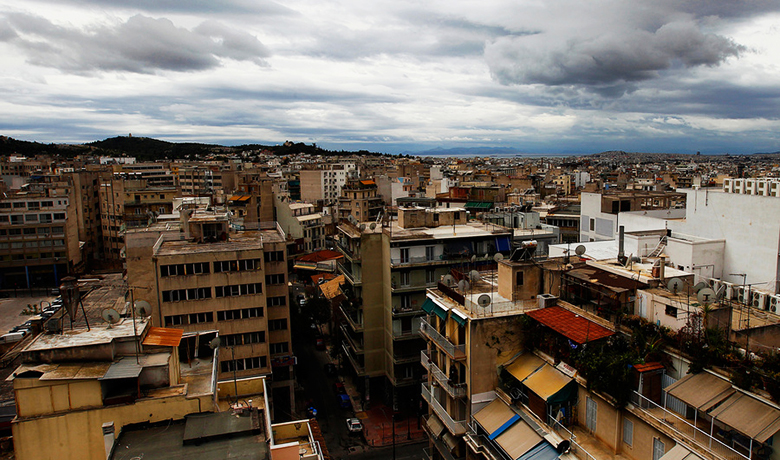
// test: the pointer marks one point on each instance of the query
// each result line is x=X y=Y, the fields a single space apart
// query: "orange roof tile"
x=570 y=325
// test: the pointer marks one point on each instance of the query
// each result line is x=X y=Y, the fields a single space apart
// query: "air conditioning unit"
x=547 y=300
x=758 y=300
x=773 y=303
x=741 y=296
x=731 y=291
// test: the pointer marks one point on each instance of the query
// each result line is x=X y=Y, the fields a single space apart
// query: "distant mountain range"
x=148 y=149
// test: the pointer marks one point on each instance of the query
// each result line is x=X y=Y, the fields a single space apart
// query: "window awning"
x=479 y=205
x=570 y=325
x=496 y=417
x=450 y=440
x=459 y=317
x=547 y=383
x=163 y=336
x=240 y=198
x=702 y=391
x=428 y=306
x=542 y=451
x=524 y=366
x=749 y=416
x=518 y=440
x=435 y=425
x=679 y=452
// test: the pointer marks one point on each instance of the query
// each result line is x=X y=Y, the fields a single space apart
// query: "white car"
x=354 y=425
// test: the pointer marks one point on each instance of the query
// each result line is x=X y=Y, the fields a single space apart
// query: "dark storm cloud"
x=608 y=62
x=140 y=45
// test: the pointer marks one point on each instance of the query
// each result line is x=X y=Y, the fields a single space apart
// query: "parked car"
x=354 y=425
x=338 y=387
x=319 y=343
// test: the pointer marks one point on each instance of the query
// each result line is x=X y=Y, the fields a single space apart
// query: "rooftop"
x=238 y=241
x=469 y=230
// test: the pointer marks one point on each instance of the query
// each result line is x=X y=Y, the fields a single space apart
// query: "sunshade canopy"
x=702 y=391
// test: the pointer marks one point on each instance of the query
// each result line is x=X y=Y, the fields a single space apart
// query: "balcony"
x=456 y=390
x=408 y=311
x=347 y=271
x=436 y=260
x=405 y=358
x=456 y=427
x=481 y=445
x=404 y=381
x=399 y=288
x=354 y=324
x=357 y=347
x=360 y=369
x=678 y=427
x=348 y=253
x=406 y=334
x=456 y=352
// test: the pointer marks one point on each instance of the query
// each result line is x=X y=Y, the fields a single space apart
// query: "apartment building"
x=252 y=202
x=387 y=270
x=301 y=222
x=39 y=238
x=600 y=212
x=325 y=183
x=209 y=278
x=76 y=392
x=360 y=199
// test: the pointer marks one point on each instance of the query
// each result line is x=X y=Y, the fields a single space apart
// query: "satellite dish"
x=214 y=343
x=515 y=190
x=143 y=308
x=484 y=300
x=111 y=316
x=699 y=286
x=720 y=292
x=463 y=286
x=362 y=227
x=706 y=296
x=498 y=257
x=474 y=275
x=674 y=285
x=580 y=250
x=372 y=226
x=473 y=258
x=449 y=280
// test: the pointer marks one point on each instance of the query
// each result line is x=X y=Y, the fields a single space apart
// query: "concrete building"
x=360 y=199
x=300 y=221
x=208 y=278
x=252 y=202
x=387 y=270
x=76 y=392
x=39 y=238
x=600 y=212
x=325 y=183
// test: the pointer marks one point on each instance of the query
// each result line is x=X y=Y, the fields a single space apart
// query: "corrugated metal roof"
x=330 y=289
x=570 y=325
x=163 y=336
x=494 y=415
x=518 y=439
x=749 y=416
x=125 y=368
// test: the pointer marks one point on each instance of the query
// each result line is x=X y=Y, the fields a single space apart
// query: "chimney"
x=661 y=268
x=621 y=242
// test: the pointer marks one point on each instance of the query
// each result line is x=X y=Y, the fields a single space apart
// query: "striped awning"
x=496 y=417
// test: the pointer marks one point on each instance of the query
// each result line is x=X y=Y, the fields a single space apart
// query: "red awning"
x=570 y=325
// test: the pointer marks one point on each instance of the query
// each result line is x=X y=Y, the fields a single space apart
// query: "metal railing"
x=685 y=429
x=406 y=334
x=564 y=433
x=454 y=351
x=354 y=324
x=359 y=368
x=456 y=427
x=355 y=279
x=456 y=390
x=356 y=346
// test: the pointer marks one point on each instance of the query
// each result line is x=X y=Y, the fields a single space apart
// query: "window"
x=404 y=255
x=278 y=348
x=175 y=320
x=19 y=205
x=430 y=276
x=592 y=224
x=274 y=279
x=243 y=313
x=628 y=432
x=405 y=278
x=519 y=278
x=274 y=256
x=276 y=301
x=207 y=317
x=406 y=302
x=429 y=252
x=277 y=324
x=16 y=219
x=658 y=449
x=31 y=218
x=671 y=311
x=591 y=414
x=254 y=337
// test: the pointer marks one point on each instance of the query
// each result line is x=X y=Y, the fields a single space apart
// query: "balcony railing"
x=694 y=435
x=456 y=427
x=360 y=369
x=347 y=271
x=353 y=323
x=456 y=352
x=357 y=347
x=406 y=334
x=456 y=390
x=404 y=358
x=425 y=359
x=481 y=444
x=348 y=252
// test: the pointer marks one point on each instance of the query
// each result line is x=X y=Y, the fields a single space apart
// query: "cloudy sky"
x=547 y=76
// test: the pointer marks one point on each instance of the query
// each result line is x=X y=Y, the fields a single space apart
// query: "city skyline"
x=396 y=77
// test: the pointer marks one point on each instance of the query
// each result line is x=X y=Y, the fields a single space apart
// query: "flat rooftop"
x=237 y=241
x=81 y=337
x=469 y=230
